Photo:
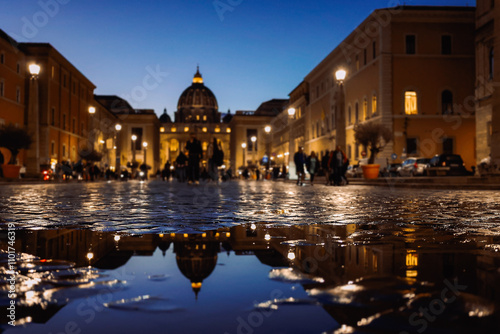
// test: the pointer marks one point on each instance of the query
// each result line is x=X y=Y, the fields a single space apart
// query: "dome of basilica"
x=197 y=104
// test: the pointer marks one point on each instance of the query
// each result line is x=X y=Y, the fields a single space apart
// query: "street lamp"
x=254 y=147
x=33 y=154
x=291 y=112
x=268 y=129
x=340 y=76
x=91 y=110
x=244 y=146
x=145 y=145
x=118 y=127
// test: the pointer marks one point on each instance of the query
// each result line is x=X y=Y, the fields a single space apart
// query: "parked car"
x=446 y=164
x=413 y=166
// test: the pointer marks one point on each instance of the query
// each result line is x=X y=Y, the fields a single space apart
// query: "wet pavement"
x=249 y=257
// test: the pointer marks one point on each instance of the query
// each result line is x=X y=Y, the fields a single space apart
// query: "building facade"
x=13 y=73
x=488 y=98
x=410 y=68
x=198 y=113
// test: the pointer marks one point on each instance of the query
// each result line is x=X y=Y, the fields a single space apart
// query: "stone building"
x=488 y=97
x=197 y=112
x=410 y=68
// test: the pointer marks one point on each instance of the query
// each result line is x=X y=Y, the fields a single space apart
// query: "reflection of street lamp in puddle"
x=291 y=255
x=90 y=256
x=253 y=227
x=267 y=237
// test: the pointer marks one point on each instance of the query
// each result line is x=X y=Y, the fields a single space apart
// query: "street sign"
x=265 y=159
x=363 y=153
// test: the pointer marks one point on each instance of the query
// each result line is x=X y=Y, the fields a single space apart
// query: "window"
x=64 y=122
x=53 y=116
x=410 y=44
x=74 y=125
x=349 y=152
x=64 y=80
x=365 y=109
x=357 y=62
x=64 y=150
x=411 y=146
x=18 y=68
x=356 y=113
x=52 y=72
x=411 y=103
x=374 y=104
x=374 y=49
x=491 y=62
x=448 y=145
x=2 y=88
x=489 y=131
x=364 y=57
x=446 y=102
x=356 y=152
x=52 y=148
x=18 y=95
x=446 y=45
x=2 y=58
x=349 y=118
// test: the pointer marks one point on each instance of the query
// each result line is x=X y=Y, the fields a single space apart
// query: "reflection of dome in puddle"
x=113 y=260
x=164 y=246
x=196 y=260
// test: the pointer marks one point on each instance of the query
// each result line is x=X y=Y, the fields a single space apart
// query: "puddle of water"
x=255 y=278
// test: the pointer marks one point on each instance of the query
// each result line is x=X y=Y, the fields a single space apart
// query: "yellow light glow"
x=91 y=110
x=197 y=117
x=291 y=111
x=196 y=285
x=117 y=238
x=291 y=256
x=204 y=117
x=186 y=129
x=267 y=237
x=34 y=69
x=174 y=129
x=204 y=235
x=253 y=226
x=267 y=129
x=90 y=255
x=411 y=107
x=228 y=234
x=217 y=129
x=118 y=127
x=161 y=235
x=172 y=235
x=340 y=75
x=162 y=129
x=228 y=130
x=205 y=129
x=411 y=273
x=186 y=235
x=217 y=234
x=411 y=258
x=244 y=145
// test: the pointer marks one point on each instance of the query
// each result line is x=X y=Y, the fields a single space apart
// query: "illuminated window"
x=186 y=129
x=204 y=145
x=174 y=129
x=205 y=129
x=197 y=117
x=411 y=103
x=162 y=129
x=204 y=117
x=217 y=129
x=356 y=113
x=228 y=130
x=365 y=109
x=374 y=104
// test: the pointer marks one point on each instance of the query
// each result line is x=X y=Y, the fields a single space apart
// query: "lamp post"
x=145 y=145
x=118 y=127
x=244 y=146
x=340 y=76
x=291 y=144
x=33 y=126
x=134 y=138
x=254 y=147
x=268 y=129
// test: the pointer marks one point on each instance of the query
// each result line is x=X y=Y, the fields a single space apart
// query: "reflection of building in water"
x=196 y=256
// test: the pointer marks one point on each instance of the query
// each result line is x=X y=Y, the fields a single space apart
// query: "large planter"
x=370 y=171
x=11 y=171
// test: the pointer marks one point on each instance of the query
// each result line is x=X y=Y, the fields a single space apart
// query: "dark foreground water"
x=248 y=258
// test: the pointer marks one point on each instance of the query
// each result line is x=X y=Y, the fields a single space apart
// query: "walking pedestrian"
x=181 y=165
x=337 y=163
x=324 y=165
x=299 y=159
x=312 y=165
x=195 y=153
x=213 y=171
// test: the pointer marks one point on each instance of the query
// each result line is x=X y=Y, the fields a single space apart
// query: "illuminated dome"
x=197 y=104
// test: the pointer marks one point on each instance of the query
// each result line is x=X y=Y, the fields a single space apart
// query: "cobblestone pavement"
x=155 y=206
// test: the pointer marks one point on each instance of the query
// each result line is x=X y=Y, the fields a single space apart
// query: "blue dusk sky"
x=249 y=51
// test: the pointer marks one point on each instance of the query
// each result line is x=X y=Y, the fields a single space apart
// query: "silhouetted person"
x=181 y=166
x=193 y=146
x=312 y=164
x=300 y=159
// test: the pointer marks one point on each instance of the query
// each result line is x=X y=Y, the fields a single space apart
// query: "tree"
x=373 y=136
x=14 y=139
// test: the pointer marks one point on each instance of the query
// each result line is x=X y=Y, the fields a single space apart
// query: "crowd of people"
x=333 y=165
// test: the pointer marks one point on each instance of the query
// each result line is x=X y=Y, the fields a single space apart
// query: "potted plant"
x=14 y=139
x=373 y=136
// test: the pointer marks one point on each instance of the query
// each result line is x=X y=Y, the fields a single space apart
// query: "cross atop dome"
x=197 y=77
